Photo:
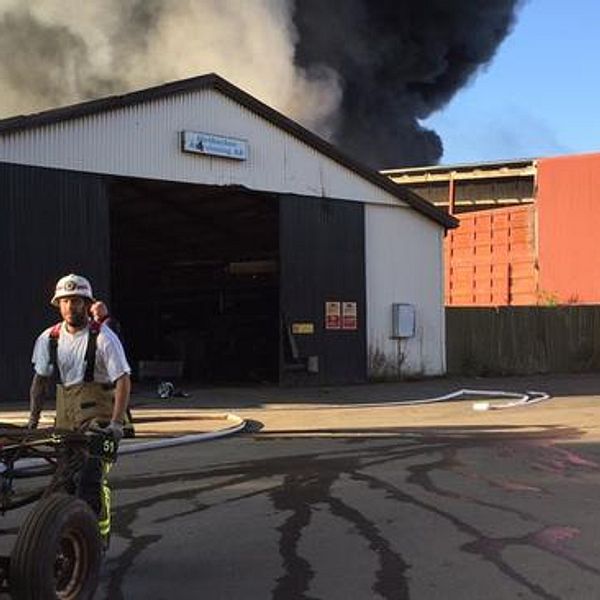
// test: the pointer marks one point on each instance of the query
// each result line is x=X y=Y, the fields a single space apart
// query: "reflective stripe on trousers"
x=104 y=517
x=92 y=486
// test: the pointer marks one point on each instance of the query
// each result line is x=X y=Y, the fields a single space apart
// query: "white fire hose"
x=238 y=424
x=192 y=438
x=519 y=399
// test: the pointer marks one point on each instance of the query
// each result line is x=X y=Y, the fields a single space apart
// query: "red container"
x=568 y=206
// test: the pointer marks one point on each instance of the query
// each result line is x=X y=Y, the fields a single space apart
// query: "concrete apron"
x=571 y=417
x=560 y=417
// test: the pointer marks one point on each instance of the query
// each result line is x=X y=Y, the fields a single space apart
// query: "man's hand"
x=115 y=428
x=105 y=443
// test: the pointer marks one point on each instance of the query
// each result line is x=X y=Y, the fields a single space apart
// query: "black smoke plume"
x=362 y=73
x=398 y=61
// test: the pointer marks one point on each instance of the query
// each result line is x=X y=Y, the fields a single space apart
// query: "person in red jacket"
x=99 y=313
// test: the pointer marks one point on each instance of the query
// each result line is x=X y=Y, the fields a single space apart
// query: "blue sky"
x=540 y=96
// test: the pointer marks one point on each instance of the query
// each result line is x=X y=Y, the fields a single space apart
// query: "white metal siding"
x=404 y=263
x=143 y=141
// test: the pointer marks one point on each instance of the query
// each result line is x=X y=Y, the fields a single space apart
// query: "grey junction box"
x=403 y=320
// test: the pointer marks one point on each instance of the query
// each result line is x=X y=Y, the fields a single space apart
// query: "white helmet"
x=72 y=285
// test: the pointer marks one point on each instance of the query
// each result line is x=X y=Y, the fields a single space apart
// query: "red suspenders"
x=90 y=351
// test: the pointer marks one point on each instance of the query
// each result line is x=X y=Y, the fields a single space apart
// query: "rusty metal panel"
x=474 y=194
x=51 y=223
x=568 y=202
x=491 y=258
x=508 y=189
x=435 y=192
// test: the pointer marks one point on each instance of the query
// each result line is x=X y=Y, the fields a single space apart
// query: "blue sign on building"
x=214 y=145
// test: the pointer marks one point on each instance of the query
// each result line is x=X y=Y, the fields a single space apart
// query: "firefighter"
x=89 y=368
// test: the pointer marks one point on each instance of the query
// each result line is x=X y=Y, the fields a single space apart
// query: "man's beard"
x=77 y=320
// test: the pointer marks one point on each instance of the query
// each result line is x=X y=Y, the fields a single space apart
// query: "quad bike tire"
x=58 y=552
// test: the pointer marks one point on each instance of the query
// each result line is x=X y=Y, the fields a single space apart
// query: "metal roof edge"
x=493 y=164
x=216 y=82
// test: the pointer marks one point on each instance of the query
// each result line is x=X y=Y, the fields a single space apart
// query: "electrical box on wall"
x=403 y=320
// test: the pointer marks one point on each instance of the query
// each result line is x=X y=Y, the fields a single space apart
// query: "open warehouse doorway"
x=195 y=278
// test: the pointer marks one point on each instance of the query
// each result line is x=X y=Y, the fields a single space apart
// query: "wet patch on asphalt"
x=307 y=481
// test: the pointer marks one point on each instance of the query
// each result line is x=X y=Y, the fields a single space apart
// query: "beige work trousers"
x=79 y=405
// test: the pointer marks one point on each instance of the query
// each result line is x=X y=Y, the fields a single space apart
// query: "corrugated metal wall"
x=322 y=258
x=51 y=223
x=404 y=263
x=491 y=258
x=143 y=141
x=568 y=201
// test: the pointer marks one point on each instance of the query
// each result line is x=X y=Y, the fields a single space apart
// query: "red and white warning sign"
x=333 y=315
x=349 y=315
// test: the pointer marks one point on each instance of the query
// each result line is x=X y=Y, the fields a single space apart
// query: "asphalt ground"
x=323 y=498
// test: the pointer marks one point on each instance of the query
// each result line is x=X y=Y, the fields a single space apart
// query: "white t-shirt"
x=110 y=363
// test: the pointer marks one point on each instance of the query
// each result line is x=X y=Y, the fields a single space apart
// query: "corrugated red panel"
x=568 y=201
x=490 y=258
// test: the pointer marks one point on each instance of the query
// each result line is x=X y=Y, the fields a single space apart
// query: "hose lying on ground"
x=238 y=425
x=529 y=397
x=519 y=399
x=192 y=438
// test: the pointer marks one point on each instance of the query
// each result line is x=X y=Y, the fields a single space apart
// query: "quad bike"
x=58 y=550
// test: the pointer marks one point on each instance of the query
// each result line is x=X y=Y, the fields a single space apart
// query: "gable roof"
x=215 y=82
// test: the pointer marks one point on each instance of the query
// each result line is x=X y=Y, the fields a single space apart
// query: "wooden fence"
x=520 y=340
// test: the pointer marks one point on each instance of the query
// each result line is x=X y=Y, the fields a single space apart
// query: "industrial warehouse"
x=232 y=244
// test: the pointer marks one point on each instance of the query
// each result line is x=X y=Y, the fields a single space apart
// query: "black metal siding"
x=322 y=258
x=52 y=222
